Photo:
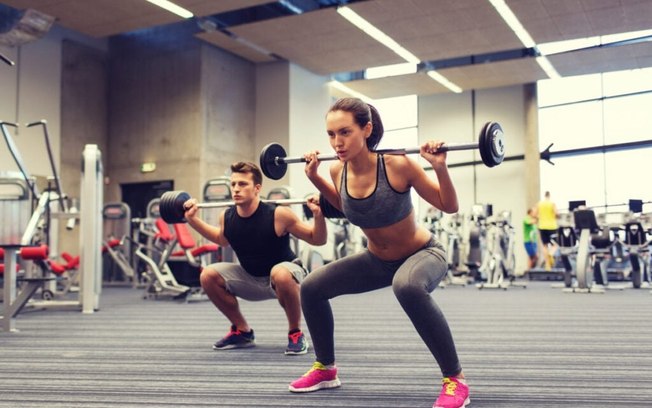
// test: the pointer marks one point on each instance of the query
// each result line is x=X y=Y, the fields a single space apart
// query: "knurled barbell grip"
x=442 y=148
x=220 y=204
x=413 y=150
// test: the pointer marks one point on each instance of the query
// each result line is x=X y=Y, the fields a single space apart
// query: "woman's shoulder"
x=399 y=162
x=336 y=167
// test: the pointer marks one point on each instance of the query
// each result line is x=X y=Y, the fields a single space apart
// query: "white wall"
x=309 y=101
x=31 y=91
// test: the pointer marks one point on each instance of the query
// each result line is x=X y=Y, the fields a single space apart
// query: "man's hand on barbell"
x=190 y=208
x=313 y=204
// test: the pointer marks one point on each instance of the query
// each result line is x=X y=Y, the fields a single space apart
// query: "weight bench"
x=159 y=279
x=189 y=248
x=14 y=301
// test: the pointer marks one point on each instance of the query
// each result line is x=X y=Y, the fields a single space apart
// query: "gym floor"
x=534 y=347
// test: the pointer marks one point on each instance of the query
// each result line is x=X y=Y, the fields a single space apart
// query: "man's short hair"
x=248 y=168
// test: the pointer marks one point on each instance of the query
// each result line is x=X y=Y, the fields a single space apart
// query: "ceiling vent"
x=28 y=26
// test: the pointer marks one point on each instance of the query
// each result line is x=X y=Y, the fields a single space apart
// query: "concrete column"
x=532 y=159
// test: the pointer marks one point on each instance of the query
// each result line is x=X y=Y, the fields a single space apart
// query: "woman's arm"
x=325 y=187
x=440 y=191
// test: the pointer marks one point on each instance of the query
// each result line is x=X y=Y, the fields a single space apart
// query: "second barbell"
x=172 y=210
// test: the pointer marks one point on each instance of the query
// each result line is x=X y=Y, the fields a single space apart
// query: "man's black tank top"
x=254 y=240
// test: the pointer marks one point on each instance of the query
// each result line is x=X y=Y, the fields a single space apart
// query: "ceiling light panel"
x=100 y=18
x=387 y=87
x=435 y=30
x=172 y=8
x=320 y=41
x=208 y=7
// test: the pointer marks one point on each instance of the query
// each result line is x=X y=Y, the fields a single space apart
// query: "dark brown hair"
x=363 y=113
x=248 y=168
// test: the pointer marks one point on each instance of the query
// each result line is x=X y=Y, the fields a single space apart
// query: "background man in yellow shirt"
x=546 y=213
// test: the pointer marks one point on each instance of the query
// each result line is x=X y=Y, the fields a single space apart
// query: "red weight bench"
x=15 y=298
x=189 y=247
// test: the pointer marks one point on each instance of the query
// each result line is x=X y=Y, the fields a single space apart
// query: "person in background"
x=546 y=214
x=530 y=238
x=258 y=232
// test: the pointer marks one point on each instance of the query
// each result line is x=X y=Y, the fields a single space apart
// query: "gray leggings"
x=412 y=279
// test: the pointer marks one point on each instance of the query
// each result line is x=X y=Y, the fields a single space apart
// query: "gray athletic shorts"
x=243 y=285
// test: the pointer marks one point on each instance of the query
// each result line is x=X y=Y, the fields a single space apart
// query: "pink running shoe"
x=454 y=394
x=317 y=378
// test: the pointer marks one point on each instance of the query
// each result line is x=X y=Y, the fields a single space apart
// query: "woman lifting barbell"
x=258 y=232
x=373 y=191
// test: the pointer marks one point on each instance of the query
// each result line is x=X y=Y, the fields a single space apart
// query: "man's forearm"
x=204 y=229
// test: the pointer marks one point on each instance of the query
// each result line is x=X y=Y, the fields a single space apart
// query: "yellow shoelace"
x=316 y=366
x=450 y=385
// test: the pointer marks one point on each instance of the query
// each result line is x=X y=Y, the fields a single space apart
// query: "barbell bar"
x=172 y=210
x=491 y=143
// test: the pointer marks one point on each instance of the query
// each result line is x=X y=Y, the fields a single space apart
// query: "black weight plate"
x=491 y=144
x=269 y=165
x=497 y=143
x=171 y=206
x=482 y=145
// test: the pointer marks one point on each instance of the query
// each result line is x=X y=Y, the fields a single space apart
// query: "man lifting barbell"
x=258 y=232
x=373 y=191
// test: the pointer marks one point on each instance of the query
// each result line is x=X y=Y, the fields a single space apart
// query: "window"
x=597 y=111
x=398 y=113
x=628 y=119
x=570 y=89
x=626 y=82
x=565 y=126
x=574 y=178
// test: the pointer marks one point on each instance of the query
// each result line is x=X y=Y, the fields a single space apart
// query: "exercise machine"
x=590 y=243
x=638 y=245
x=499 y=261
x=116 y=250
x=447 y=232
x=158 y=277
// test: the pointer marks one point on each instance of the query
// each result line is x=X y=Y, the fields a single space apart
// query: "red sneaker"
x=235 y=339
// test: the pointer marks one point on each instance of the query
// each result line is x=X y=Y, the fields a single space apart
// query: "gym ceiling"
x=466 y=41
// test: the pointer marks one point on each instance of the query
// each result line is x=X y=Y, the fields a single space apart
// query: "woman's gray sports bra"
x=384 y=206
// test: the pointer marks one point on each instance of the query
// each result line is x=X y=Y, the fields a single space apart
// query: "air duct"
x=27 y=26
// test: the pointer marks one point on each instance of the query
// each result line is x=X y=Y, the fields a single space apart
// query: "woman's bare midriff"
x=398 y=240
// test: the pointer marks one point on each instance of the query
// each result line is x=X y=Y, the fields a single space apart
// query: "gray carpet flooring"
x=534 y=347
